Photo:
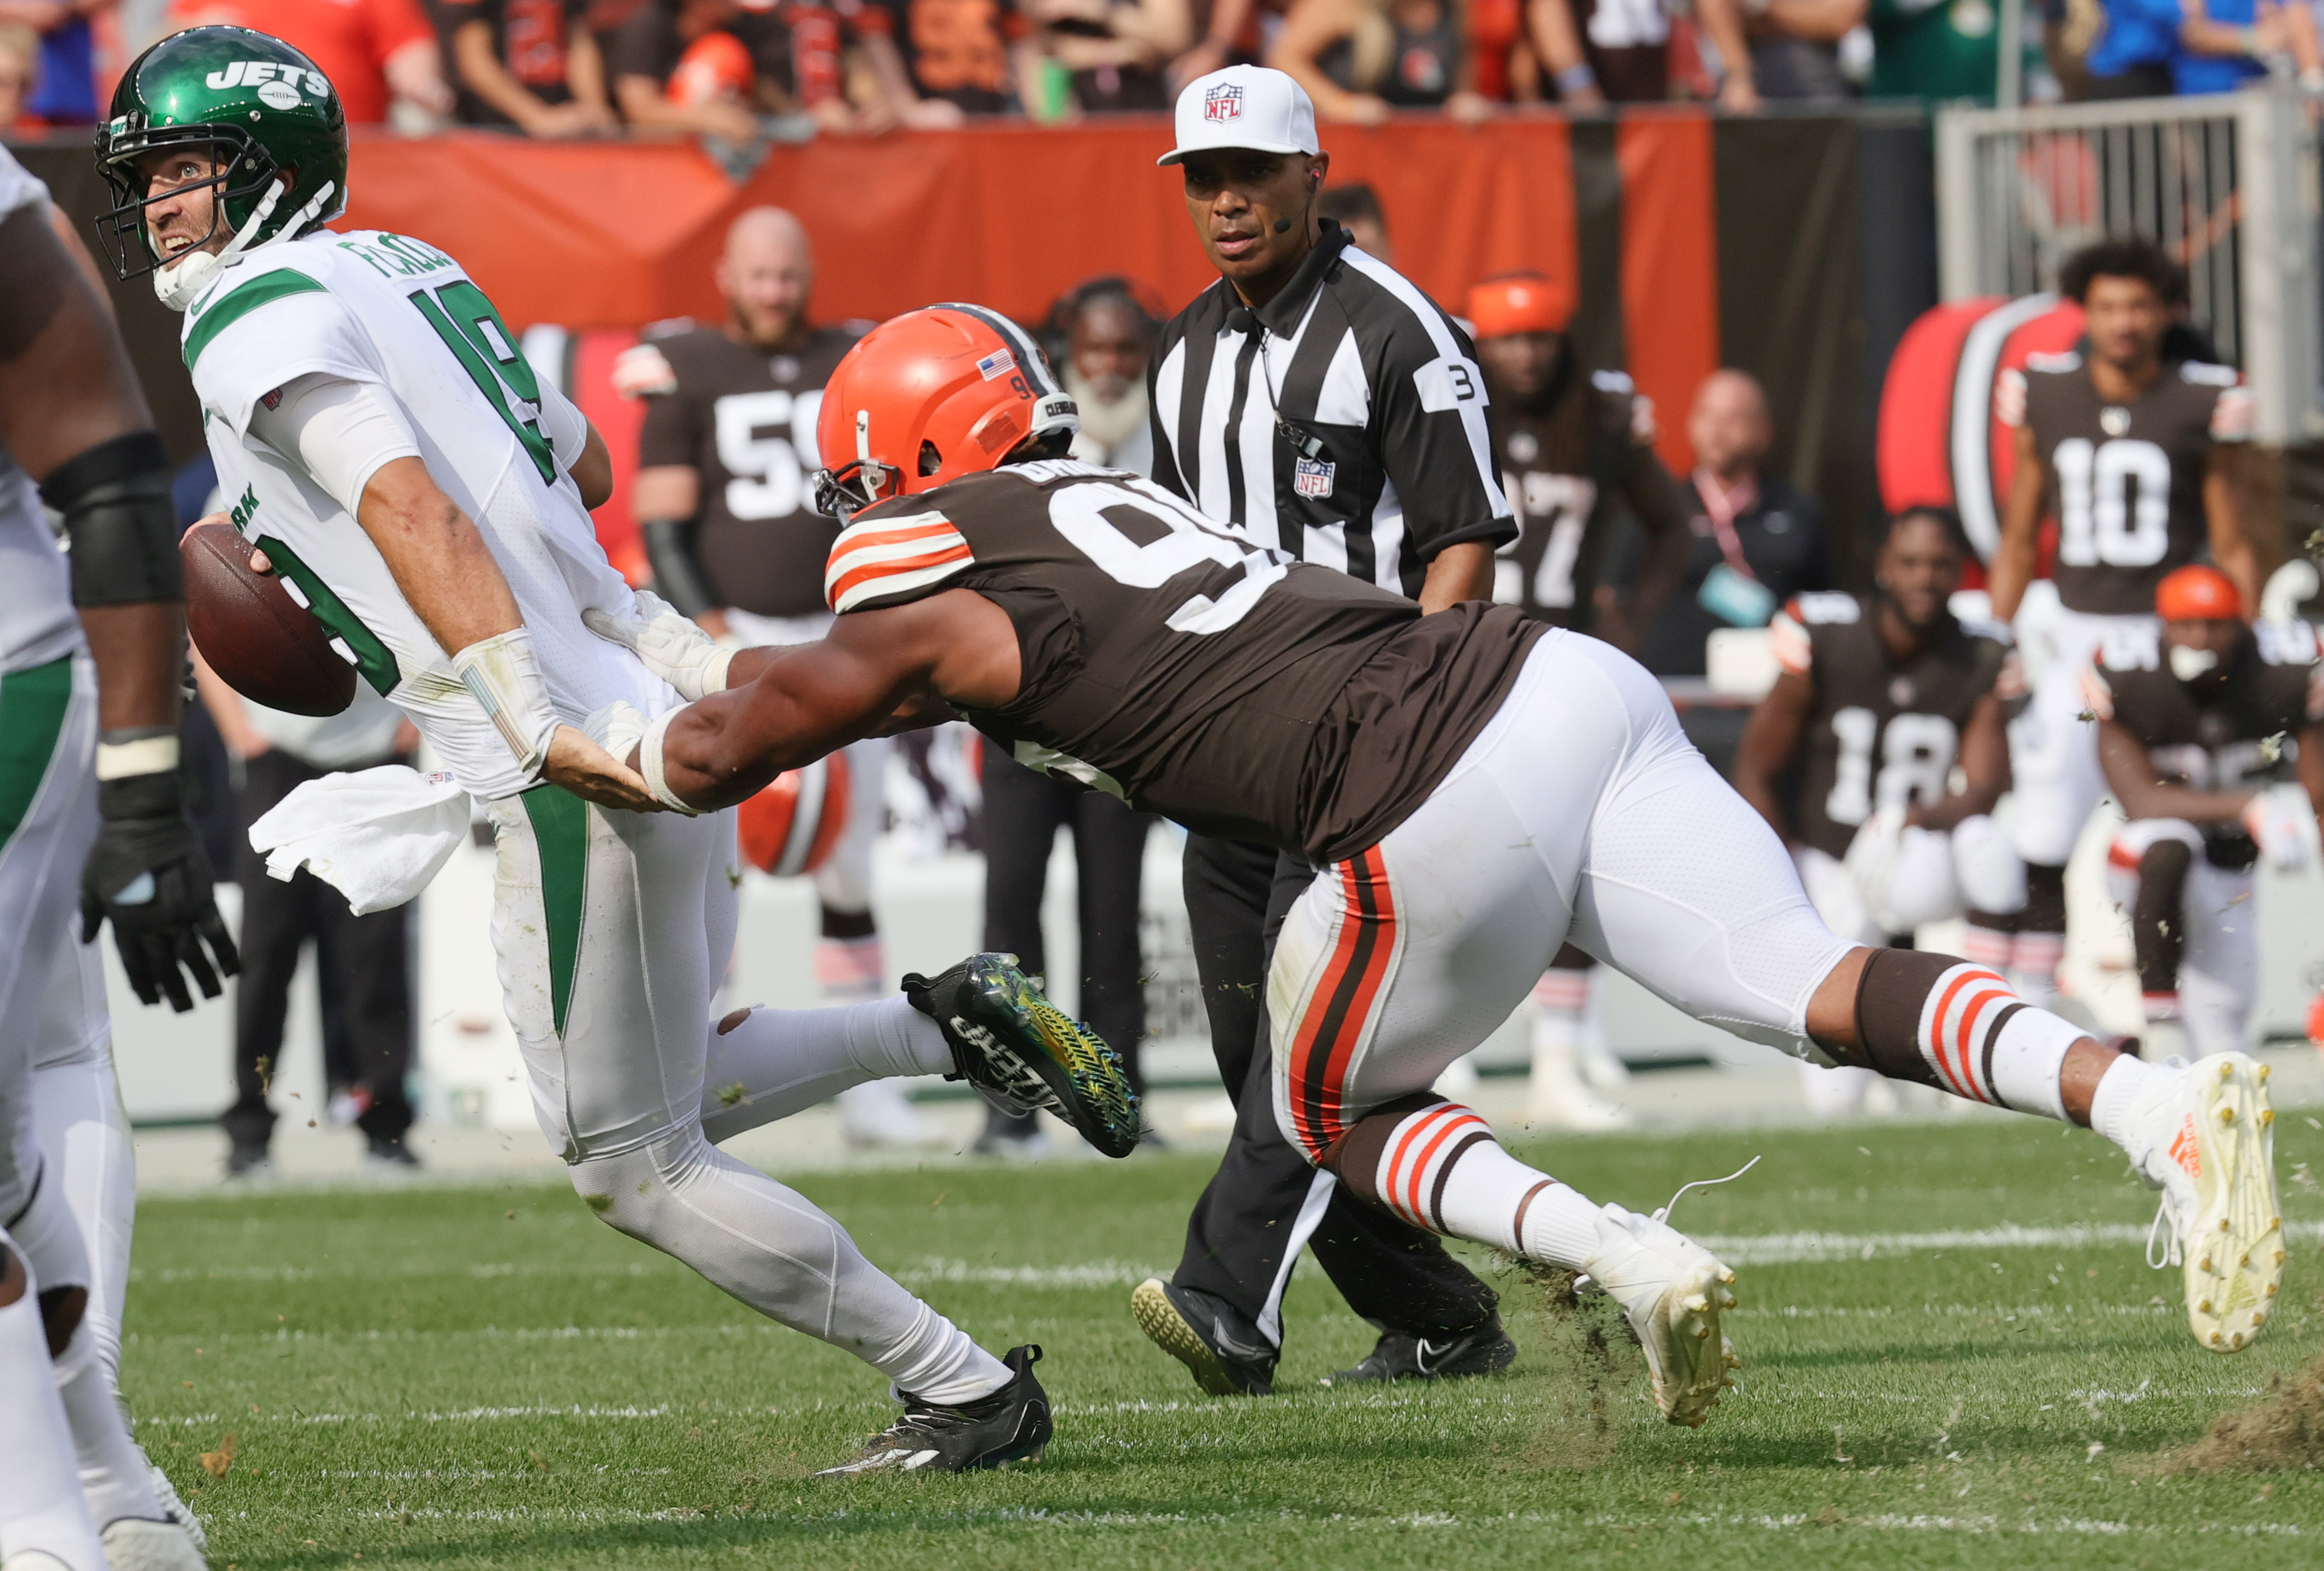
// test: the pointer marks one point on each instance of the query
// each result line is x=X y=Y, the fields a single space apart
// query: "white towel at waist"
x=378 y=836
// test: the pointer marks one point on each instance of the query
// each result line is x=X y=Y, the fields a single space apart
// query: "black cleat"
x=1222 y=1350
x=1011 y=1425
x=1023 y=1054
x=1485 y=1350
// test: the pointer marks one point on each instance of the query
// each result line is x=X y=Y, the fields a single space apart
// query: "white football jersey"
x=404 y=317
x=37 y=621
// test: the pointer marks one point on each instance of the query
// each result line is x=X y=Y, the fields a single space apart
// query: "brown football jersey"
x=2127 y=481
x=1881 y=734
x=1226 y=686
x=744 y=421
x=2241 y=728
x=1562 y=469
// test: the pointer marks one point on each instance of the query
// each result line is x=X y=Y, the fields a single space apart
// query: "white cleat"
x=2204 y=1136
x=135 y=1544
x=1673 y=1291
x=172 y=1507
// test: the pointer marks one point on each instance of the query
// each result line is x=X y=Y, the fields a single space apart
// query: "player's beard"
x=1110 y=422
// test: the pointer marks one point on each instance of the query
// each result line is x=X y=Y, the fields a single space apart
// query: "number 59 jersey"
x=405 y=319
x=1224 y=684
x=1880 y=735
x=2127 y=481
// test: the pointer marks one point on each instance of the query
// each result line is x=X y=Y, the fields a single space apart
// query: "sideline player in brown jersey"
x=1573 y=447
x=1851 y=755
x=1473 y=787
x=2138 y=452
x=2194 y=717
x=736 y=543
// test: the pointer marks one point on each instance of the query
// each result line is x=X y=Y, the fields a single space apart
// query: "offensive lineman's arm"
x=593 y=472
x=2021 y=524
x=72 y=413
x=1984 y=765
x=665 y=499
x=2225 y=469
x=790 y=706
x=1771 y=740
x=1462 y=571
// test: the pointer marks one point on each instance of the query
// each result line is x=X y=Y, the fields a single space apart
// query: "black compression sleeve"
x=116 y=499
x=677 y=578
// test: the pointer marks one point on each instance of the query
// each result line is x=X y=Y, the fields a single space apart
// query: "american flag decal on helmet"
x=999 y=363
x=879 y=557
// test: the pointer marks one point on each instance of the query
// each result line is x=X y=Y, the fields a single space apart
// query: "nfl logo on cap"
x=1243 y=107
x=1223 y=102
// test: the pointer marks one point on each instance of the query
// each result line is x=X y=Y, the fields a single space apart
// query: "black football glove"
x=150 y=876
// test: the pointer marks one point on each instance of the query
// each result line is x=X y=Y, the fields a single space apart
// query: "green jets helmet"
x=264 y=109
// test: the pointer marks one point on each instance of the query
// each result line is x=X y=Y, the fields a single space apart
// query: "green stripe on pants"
x=32 y=705
x=560 y=832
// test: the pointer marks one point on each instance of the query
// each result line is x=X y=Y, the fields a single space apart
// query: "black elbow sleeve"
x=675 y=576
x=119 y=519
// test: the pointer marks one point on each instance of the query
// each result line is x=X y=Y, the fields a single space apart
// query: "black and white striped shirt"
x=1352 y=363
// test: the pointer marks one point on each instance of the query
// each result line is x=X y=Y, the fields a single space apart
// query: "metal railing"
x=2227 y=183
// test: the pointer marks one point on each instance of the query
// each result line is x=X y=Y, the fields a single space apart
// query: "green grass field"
x=489 y=1376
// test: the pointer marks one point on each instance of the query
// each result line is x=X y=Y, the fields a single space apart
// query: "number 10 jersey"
x=2127 y=481
x=405 y=319
x=1194 y=675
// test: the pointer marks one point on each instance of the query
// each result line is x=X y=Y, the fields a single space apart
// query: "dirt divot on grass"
x=2282 y=1432
x=1586 y=1361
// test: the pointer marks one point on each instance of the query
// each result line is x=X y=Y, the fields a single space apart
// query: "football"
x=254 y=631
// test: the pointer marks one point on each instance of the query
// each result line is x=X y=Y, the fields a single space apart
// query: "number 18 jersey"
x=405 y=318
x=1223 y=685
x=2127 y=481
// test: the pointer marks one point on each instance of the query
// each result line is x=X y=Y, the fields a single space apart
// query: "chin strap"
x=178 y=284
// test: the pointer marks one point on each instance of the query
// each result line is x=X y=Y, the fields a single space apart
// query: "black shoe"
x=248 y=1162
x=1011 y=1425
x=384 y=1155
x=1486 y=1350
x=1023 y=1054
x=1224 y=1351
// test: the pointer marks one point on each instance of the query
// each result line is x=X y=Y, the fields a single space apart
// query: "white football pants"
x=2053 y=750
x=1581 y=811
x=613 y=930
x=2219 y=972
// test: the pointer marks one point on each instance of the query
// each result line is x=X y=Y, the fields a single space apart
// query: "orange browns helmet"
x=2198 y=593
x=715 y=66
x=929 y=397
x=789 y=827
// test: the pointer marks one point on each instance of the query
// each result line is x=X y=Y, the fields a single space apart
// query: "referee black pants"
x=1023 y=811
x=1393 y=1274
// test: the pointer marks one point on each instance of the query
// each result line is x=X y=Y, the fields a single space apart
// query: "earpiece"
x=1282 y=225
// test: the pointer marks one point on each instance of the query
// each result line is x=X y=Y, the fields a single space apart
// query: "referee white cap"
x=1244 y=107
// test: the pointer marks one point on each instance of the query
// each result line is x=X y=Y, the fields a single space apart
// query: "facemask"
x=2189 y=665
x=181 y=283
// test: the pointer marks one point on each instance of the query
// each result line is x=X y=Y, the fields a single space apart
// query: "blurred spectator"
x=976 y=55
x=1356 y=208
x=365 y=960
x=63 y=90
x=2224 y=44
x=1756 y=542
x=19 y=72
x=530 y=64
x=1594 y=53
x=1780 y=49
x=2130 y=59
x=374 y=52
x=1934 y=50
x=1117 y=51
x=1109 y=338
x=1360 y=59
x=1233 y=30
x=678 y=66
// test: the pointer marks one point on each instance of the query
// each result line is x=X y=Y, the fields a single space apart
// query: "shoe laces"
x=1662 y=1215
x=2163 y=1246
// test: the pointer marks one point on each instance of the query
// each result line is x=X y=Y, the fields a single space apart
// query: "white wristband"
x=503 y=674
x=649 y=766
x=144 y=756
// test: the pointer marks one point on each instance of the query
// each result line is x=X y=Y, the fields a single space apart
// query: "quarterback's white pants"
x=2219 y=972
x=2053 y=750
x=1581 y=811
x=844 y=882
x=611 y=930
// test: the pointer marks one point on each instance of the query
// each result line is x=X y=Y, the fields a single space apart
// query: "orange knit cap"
x=1521 y=302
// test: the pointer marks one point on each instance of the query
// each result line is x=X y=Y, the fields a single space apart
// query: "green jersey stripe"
x=233 y=307
x=560 y=832
x=33 y=706
x=372 y=658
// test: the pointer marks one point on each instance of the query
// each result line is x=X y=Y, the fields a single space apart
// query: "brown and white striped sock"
x=1436 y=1164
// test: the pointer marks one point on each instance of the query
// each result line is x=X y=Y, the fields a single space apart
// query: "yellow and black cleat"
x=1025 y=1053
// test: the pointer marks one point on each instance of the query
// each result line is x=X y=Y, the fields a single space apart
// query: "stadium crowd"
x=743 y=74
